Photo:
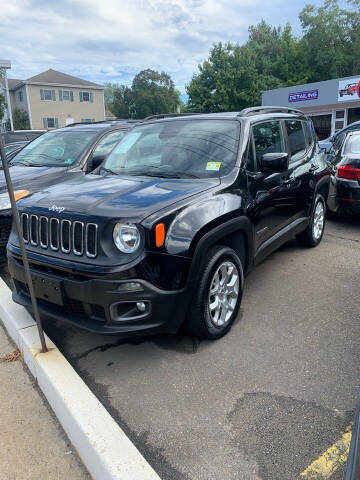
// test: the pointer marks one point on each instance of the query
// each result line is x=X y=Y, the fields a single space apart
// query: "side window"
x=308 y=134
x=105 y=145
x=296 y=139
x=339 y=141
x=268 y=138
x=250 y=163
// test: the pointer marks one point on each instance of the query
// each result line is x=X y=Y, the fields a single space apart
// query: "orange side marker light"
x=159 y=234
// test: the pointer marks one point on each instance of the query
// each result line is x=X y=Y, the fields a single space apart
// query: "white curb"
x=103 y=447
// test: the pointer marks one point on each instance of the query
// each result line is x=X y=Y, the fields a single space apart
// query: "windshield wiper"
x=108 y=170
x=161 y=174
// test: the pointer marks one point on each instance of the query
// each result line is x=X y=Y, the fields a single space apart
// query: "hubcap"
x=318 y=221
x=224 y=293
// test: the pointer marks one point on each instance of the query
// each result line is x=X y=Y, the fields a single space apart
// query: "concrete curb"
x=103 y=447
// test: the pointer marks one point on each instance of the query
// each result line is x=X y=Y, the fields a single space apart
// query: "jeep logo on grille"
x=55 y=208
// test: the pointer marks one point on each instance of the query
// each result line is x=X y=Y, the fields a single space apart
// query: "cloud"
x=111 y=40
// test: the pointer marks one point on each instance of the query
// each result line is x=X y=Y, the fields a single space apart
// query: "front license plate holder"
x=48 y=289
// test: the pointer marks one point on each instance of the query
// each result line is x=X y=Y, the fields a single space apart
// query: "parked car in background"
x=326 y=144
x=16 y=136
x=12 y=149
x=52 y=158
x=344 y=158
x=161 y=234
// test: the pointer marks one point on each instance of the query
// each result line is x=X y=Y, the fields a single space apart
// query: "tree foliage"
x=151 y=93
x=234 y=75
x=20 y=119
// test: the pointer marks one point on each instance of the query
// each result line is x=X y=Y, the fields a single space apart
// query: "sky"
x=112 y=40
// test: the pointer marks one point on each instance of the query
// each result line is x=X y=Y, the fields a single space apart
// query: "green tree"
x=234 y=75
x=153 y=93
x=327 y=43
x=120 y=101
x=20 y=119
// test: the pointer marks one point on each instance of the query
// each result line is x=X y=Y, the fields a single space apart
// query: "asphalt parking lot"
x=263 y=402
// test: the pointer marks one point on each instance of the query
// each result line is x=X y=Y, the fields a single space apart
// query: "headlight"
x=126 y=237
x=5 y=200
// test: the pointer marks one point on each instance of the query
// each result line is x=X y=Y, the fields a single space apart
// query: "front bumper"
x=104 y=305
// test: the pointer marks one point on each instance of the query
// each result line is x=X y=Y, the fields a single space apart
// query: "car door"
x=303 y=167
x=269 y=209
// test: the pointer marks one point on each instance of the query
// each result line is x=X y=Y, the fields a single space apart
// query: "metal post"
x=8 y=100
x=19 y=231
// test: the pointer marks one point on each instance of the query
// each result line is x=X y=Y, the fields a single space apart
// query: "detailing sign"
x=304 y=96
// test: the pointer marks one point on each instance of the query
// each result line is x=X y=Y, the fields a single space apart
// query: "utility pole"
x=19 y=231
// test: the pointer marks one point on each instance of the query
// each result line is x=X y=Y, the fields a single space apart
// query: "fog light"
x=141 y=306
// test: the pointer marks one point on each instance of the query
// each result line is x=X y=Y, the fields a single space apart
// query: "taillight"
x=349 y=172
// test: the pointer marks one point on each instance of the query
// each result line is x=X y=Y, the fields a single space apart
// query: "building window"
x=51 y=122
x=353 y=115
x=87 y=120
x=86 y=97
x=20 y=96
x=66 y=96
x=47 y=94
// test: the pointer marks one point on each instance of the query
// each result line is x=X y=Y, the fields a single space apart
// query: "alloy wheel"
x=224 y=293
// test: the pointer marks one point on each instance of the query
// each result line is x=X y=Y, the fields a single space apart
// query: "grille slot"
x=78 y=238
x=65 y=235
x=44 y=232
x=91 y=240
x=70 y=237
x=25 y=227
x=34 y=233
x=54 y=234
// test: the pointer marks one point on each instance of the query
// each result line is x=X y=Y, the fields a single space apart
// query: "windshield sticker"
x=213 y=166
x=127 y=142
x=70 y=160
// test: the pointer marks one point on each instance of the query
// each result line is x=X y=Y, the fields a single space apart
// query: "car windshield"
x=57 y=148
x=353 y=145
x=177 y=149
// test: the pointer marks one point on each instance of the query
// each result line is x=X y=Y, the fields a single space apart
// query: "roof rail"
x=103 y=121
x=267 y=109
x=167 y=115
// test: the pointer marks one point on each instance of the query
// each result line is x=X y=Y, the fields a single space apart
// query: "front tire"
x=311 y=237
x=218 y=294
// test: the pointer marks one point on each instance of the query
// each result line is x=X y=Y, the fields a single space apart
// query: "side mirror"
x=274 y=162
x=96 y=161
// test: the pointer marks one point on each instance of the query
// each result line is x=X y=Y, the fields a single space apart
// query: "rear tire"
x=312 y=235
x=217 y=300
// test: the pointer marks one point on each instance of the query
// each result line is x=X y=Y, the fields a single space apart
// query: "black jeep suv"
x=51 y=158
x=161 y=235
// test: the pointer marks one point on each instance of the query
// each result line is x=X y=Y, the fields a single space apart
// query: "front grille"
x=70 y=237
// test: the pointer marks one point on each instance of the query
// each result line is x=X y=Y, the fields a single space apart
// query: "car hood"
x=29 y=177
x=125 y=197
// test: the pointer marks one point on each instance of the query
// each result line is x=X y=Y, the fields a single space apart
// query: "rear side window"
x=308 y=134
x=353 y=145
x=296 y=138
x=268 y=138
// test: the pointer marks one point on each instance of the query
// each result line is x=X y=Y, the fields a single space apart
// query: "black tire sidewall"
x=221 y=256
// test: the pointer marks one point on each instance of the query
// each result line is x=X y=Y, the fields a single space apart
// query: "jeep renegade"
x=161 y=234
